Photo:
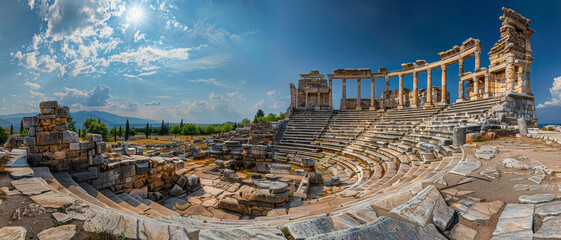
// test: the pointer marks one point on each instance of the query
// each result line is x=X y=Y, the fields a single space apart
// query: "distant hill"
x=109 y=119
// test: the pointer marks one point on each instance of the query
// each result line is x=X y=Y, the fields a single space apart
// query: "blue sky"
x=214 y=61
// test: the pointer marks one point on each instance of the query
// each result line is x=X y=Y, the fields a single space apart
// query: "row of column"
x=415 y=102
x=318 y=100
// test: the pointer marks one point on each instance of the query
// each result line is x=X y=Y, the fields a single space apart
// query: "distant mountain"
x=109 y=119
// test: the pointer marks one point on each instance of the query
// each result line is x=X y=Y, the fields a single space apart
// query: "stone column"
x=459 y=136
x=400 y=91
x=510 y=74
x=415 y=90
x=372 y=94
x=460 y=91
x=307 y=99
x=487 y=92
x=386 y=97
x=330 y=92
x=344 y=95
x=477 y=60
x=358 y=94
x=443 y=88
x=461 y=64
x=475 y=89
x=319 y=98
x=429 y=87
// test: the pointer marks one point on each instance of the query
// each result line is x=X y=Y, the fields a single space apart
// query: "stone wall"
x=514 y=106
x=51 y=144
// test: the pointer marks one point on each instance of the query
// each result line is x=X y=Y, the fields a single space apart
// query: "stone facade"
x=312 y=92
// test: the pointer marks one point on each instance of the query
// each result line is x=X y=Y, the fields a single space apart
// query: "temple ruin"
x=431 y=165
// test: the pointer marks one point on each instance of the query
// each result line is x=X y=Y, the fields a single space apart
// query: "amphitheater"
x=408 y=165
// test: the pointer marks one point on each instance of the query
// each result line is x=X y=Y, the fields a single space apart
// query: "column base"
x=414 y=106
x=372 y=108
x=459 y=100
x=442 y=104
x=486 y=95
x=428 y=105
x=399 y=107
x=358 y=108
x=474 y=98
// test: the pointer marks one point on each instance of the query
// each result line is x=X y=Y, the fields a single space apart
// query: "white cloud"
x=96 y=97
x=271 y=93
x=555 y=92
x=259 y=104
x=144 y=56
x=37 y=95
x=214 y=82
x=203 y=63
x=153 y=103
x=163 y=97
x=32 y=85
x=138 y=36
x=140 y=74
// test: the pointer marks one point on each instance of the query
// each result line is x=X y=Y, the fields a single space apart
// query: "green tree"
x=79 y=132
x=190 y=129
x=147 y=131
x=89 y=122
x=226 y=127
x=99 y=128
x=260 y=113
x=181 y=124
x=255 y=119
x=282 y=116
x=71 y=124
x=246 y=120
x=24 y=133
x=120 y=131
x=209 y=129
x=175 y=130
x=271 y=117
x=127 y=130
x=11 y=129
x=162 y=129
x=3 y=135
x=114 y=131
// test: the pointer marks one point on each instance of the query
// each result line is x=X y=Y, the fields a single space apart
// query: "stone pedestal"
x=522 y=127
x=459 y=136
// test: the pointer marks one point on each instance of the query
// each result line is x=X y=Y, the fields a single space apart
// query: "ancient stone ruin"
x=411 y=164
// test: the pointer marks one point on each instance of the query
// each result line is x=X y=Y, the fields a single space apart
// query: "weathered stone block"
x=92 y=173
x=47 y=110
x=48 y=138
x=74 y=146
x=48 y=104
x=60 y=155
x=87 y=145
x=48 y=116
x=29 y=122
x=70 y=137
x=92 y=137
x=29 y=141
x=63 y=112
x=100 y=147
x=61 y=127
x=34 y=159
x=31 y=132
x=142 y=168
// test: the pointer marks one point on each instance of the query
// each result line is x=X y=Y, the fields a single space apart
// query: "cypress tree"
x=11 y=129
x=115 y=133
x=127 y=130
x=120 y=131
x=21 y=127
x=181 y=124
x=147 y=130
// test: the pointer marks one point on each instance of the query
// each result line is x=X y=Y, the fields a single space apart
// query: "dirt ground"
x=34 y=224
x=502 y=188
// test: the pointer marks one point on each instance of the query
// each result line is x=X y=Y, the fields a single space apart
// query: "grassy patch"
x=105 y=236
x=57 y=223
x=286 y=232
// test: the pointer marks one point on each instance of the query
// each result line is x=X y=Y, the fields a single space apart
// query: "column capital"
x=443 y=67
x=429 y=70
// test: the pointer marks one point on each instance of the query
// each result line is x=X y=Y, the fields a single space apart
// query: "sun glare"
x=135 y=14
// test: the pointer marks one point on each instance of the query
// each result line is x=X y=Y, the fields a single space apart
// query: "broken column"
x=459 y=136
x=522 y=127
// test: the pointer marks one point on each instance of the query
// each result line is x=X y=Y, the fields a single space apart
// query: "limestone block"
x=249 y=232
x=87 y=145
x=100 y=147
x=47 y=116
x=30 y=186
x=74 y=146
x=48 y=104
x=60 y=155
x=92 y=137
x=142 y=168
x=29 y=122
x=63 y=112
x=425 y=204
x=64 y=232
x=522 y=127
x=48 y=138
x=29 y=141
x=516 y=221
x=113 y=223
x=34 y=159
x=536 y=198
x=309 y=228
x=61 y=127
x=550 y=229
x=463 y=232
x=97 y=160
x=31 y=132
x=92 y=173
x=193 y=180
x=130 y=151
x=15 y=233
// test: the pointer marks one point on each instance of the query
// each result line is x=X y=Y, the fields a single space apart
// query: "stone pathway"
x=64 y=232
x=515 y=222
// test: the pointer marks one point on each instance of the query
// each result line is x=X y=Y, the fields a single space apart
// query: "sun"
x=135 y=14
